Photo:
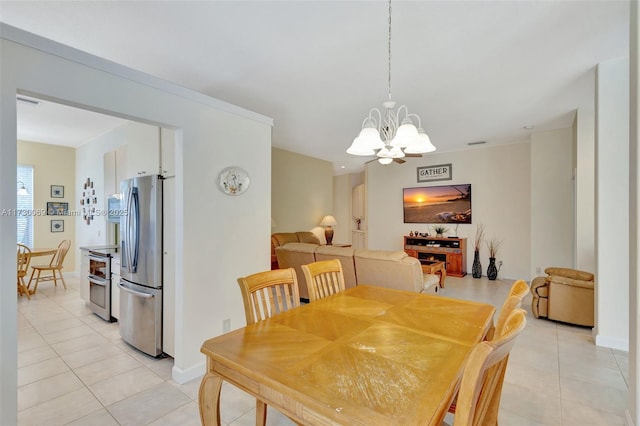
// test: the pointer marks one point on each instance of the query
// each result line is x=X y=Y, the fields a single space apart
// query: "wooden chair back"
x=520 y=289
x=511 y=304
x=268 y=293
x=58 y=258
x=23 y=260
x=478 y=400
x=323 y=278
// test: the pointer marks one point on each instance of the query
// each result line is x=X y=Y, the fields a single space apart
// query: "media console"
x=452 y=251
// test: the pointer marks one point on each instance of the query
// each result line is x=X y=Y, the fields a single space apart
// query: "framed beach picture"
x=56 y=208
x=437 y=204
x=57 y=225
x=57 y=191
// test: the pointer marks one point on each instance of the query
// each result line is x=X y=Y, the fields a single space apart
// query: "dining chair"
x=23 y=260
x=323 y=278
x=481 y=385
x=265 y=294
x=54 y=266
x=519 y=288
x=511 y=304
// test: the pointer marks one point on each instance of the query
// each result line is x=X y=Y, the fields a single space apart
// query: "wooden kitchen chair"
x=323 y=278
x=23 y=260
x=520 y=288
x=481 y=386
x=498 y=330
x=54 y=266
x=265 y=294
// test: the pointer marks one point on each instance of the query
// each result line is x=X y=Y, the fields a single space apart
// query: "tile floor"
x=75 y=370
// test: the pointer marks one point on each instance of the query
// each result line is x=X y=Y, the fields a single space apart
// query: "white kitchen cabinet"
x=115 y=290
x=110 y=184
x=121 y=166
x=167 y=152
x=84 y=275
x=143 y=150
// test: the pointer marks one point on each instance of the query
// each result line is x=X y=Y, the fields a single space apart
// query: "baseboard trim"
x=612 y=342
x=183 y=376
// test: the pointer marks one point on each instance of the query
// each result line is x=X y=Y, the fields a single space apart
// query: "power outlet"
x=226 y=325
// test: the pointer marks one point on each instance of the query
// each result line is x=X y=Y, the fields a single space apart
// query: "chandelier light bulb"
x=385 y=161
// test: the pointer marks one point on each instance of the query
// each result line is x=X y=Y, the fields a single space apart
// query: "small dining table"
x=367 y=355
x=43 y=251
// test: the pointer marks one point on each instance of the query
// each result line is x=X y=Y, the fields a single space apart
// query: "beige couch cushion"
x=391 y=269
x=345 y=256
x=294 y=255
x=307 y=237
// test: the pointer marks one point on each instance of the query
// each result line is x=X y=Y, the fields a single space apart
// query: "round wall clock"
x=233 y=181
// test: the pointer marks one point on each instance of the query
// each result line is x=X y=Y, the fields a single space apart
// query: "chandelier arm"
x=419 y=126
x=377 y=123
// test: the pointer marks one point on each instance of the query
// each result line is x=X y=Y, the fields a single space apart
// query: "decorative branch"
x=479 y=238
x=493 y=245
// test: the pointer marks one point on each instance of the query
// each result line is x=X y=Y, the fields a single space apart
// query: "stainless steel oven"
x=100 y=284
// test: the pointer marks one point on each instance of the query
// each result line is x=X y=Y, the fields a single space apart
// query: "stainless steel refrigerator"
x=141 y=264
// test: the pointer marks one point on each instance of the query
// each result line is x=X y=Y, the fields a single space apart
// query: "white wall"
x=612 y=204
x=302 y=192
x=500 y=187
x=552 y=200
x=633 y=414
x=213 y=228
x=52 y=165
x=585 y=189
x=342 y=209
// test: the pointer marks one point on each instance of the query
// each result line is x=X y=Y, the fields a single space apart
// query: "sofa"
x=391 y=269
x=281 y=238
x=564 y=295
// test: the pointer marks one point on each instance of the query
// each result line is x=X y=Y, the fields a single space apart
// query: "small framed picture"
x=57 y=191
x=56 y=208
x=57 y=225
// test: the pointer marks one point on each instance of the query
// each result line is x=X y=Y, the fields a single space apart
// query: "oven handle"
x=97 y=281
x=136 y=293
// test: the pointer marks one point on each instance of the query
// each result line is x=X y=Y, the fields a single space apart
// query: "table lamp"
x=328 y=221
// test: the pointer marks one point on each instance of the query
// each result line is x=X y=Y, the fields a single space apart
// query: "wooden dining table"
x=43 y=251
x=365 y=356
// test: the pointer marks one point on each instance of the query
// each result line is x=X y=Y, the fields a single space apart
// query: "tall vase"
x=476 y=270
x=492 y=271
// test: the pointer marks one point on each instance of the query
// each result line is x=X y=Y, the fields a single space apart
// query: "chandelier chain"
x=389 y=56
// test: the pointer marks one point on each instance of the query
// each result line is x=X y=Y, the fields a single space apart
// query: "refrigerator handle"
x=136 y=293
x=127 y=241
x=134 y=228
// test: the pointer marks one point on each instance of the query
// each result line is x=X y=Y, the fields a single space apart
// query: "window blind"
x=24 y=212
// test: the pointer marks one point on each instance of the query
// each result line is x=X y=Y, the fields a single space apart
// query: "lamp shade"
x=22 y=190
x=328 y=221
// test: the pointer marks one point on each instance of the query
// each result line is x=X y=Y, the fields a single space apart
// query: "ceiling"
x=472 y=70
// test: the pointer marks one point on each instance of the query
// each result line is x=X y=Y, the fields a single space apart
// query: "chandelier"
x=390 y=134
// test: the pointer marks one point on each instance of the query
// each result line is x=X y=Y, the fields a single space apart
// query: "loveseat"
x=392 y=269
x=564 y=295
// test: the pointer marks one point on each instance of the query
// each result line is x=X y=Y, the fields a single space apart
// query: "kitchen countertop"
x=103 y=249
